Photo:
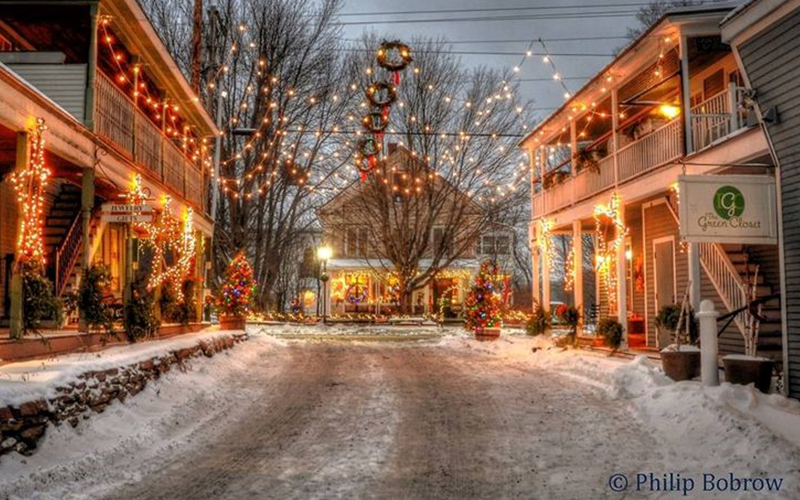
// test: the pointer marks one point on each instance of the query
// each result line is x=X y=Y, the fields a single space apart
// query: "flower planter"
x=231 y=322
x=745 y=370
x=487 y=333
x=681 y=365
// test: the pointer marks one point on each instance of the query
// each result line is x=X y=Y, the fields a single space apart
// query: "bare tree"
x=458 y=176
x=652 y=12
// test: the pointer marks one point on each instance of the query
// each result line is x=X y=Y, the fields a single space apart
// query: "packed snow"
x=694 y=428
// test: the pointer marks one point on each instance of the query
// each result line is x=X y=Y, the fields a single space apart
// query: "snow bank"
x=30 y=380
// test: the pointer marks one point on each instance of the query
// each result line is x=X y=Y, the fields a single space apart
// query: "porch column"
x=536 y=266
x=686 y=97
x=91 y=69
x=614 y=133
x=622 y=288
x=87 y=203
x=577 y=252
x=199 y=265
x=15 y=284
x=545 y=281
x=694 y=276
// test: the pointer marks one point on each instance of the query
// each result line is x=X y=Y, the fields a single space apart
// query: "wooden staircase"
x=62 y=237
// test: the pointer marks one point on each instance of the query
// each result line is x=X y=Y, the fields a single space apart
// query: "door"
x=664 y=265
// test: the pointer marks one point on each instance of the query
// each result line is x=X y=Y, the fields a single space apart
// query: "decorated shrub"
x=484 y=301
x=668 y=318
x=238 y=292
x=570 y=317
x=140 y=317
x=39 y=304
x=611 y=330
x=539 y=322
x=95 y=286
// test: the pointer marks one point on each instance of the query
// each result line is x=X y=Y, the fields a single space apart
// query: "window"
x=438 y=240
x=495 y=245
x=352 y=242
x=356 y=241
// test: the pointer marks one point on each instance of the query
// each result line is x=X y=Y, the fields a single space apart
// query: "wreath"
x=394 y=56
x=376 y=121
x=356 y=293
x=368 y=146
x=381 y=94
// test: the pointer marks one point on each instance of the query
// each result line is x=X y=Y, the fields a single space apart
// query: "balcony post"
x=16 y=319
x=87 y=203
x=734 y=107
x=573 y=151
x=545 y=259
x=536 y=265
x=622 y=286
x=91 y=69
x=577 y=255
x=686 y=97
x=614 y=132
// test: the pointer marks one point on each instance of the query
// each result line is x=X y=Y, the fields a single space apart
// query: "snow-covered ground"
x=368 y=419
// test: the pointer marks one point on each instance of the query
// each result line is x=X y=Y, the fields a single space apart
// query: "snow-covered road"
x=448 y=419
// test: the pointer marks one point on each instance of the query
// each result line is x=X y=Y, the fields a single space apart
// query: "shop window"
x=495 y=245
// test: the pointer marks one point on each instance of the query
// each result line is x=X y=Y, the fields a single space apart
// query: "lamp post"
x=324 y=254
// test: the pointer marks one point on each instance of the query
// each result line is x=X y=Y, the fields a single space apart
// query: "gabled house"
x=671 y=108
x=361 y=275
x=116 y=107
x=764 y=37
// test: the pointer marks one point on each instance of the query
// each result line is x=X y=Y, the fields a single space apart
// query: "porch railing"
x=726 y=279
x=655 y=149
x=67 y=254
x=716 y=117
x=118 y=119
x=592 y=181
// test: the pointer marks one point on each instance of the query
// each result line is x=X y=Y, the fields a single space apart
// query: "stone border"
x=22 y=427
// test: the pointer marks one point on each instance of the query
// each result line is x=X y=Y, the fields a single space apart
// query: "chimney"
x=392 y=147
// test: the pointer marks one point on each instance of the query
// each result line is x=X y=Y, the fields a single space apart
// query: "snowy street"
x=442 y=418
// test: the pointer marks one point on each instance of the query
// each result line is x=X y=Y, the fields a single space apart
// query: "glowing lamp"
x=324 y=253
x=669 y=111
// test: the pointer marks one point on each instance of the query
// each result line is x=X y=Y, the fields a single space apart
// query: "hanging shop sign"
x=728 y=209
x=126 y=213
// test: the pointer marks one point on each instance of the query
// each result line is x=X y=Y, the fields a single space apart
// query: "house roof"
x=691 y=10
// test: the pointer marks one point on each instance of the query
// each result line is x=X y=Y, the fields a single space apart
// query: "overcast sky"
x=547 y=94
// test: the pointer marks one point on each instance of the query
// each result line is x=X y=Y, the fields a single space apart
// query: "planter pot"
x=681 y=365
x=744 y=371
x=487 y=333
x=232 y=322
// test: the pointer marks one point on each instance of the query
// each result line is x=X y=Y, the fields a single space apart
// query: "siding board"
x=64 y=84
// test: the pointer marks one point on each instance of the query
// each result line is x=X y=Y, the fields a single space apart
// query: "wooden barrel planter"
x=487 y=334
x=231 y=322
x=745 y=370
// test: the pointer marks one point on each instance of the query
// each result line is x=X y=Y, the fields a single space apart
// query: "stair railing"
x=732 y=288
x=67 y=253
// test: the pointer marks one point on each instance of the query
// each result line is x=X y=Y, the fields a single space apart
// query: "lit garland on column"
x=606 y=251
x=569 y=271
x=544 y=239
x=29 y=185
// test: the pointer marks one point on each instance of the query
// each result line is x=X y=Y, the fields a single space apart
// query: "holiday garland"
x=238 y=292
x=484 y=301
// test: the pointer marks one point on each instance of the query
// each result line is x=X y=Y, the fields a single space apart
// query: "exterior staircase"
x=62 y=237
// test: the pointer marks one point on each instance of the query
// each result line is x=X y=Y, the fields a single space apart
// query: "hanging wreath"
x=381 y=94
x=394 y=56
x=376 y=122
x=356 y=293
x=368 y=146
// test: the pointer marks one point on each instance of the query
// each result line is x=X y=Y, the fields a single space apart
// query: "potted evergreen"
x=681 y=359
x=484 y=314
x=570 y=317
x=539 y=323
x=611 y=331
x=237 y=294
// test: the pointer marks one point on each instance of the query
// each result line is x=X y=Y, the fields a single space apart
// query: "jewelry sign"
x=728 y=209
x=126 y=213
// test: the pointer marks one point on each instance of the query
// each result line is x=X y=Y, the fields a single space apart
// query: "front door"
x=664 y=260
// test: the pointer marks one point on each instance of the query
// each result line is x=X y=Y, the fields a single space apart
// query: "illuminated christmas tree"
x=238 y=293
x=484 y=301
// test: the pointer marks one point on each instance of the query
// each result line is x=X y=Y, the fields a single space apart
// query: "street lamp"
x=324 y=253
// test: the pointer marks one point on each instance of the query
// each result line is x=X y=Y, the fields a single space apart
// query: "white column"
x=694 y=275
x=622 y=288
x=615 y=132
x=545 y=259
x=577 y=252
x=686 y=96
x=536 y=265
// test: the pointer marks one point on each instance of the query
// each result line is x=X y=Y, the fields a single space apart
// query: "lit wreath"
x=394 y=56
x=368 y=146
x=356 y=293
x=376 y=122
x=381 y=94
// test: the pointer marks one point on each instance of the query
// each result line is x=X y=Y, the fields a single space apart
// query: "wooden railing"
x=726 y=279
x=118 y=119
x=653 y=150
x=717 y=117
x=591 y=181
x=67 y=254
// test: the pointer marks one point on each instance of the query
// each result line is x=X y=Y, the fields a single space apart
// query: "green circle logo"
x=728 y=202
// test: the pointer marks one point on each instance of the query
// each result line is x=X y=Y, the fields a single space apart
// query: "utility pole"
x=197 y=45
x=215 y=55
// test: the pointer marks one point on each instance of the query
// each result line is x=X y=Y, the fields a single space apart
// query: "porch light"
x=628 y=254
x=324 y=253
x=669 y=110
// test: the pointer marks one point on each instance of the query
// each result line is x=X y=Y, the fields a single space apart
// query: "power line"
x=492 y=53
x=517 y=40
x=612 y=14
x=492 y=9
